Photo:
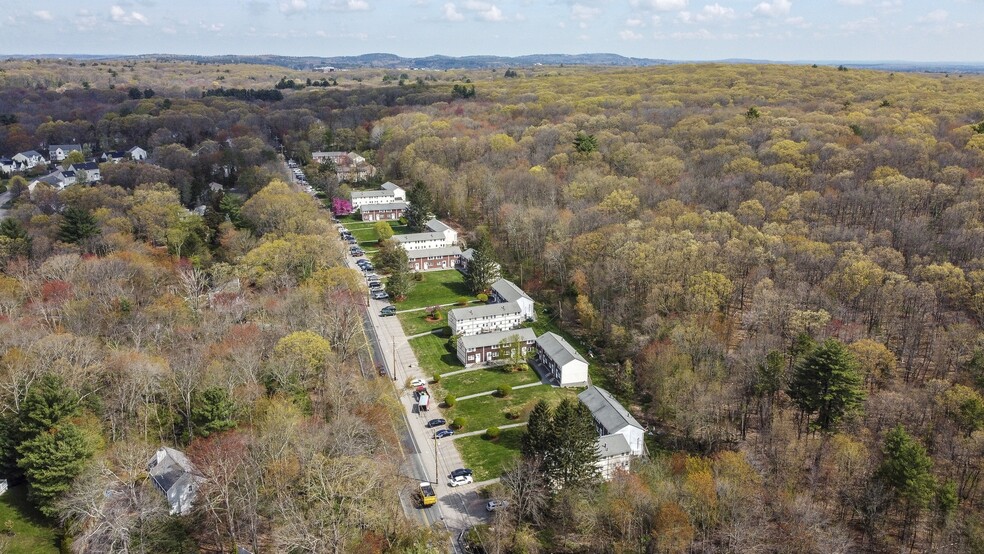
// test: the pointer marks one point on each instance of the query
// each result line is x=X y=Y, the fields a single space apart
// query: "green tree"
x=572 y=456
x=213 y=411
x=539 y=432
x=46 y=403
x=73 y=157
x=77 y=226
x=483 y=270
x=827 y=382
x=401 y=281
x=585 y=143
x=383 y=230
x=906 y=470
x=14 y=240
x=51 y=460
x=419 y=208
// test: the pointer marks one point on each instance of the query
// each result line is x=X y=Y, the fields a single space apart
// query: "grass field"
x=32 y=533
x=487 y=458
x=415 y=323
x=488 y=411
x=433 y=354
x=365 y=232
x=437 y=287
x=486 y=379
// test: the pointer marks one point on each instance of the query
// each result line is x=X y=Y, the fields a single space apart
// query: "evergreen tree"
x=573 y=452
x=51 y=460
x=539 y=432
x=47 y=402
x=827 y=382
x=483 y=269
x=585 y=143
x=15 y=238
x=77 y=226
x=906 y=468
x=401 y=277
x=419 y=207
x=213 y=411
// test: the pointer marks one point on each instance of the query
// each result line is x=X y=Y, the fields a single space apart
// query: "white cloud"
x=85 y=20
x=289 y=7
x=935 y=16
x=584 y=13
x=775 y=8
x=485 y=10
x=44 y=15
x=629 y=34
x=851 y=2
x=120 y=15
x=212 y=27
x=867 y=24
x=451 y=12
x=345 y=5
x=634 y=22
x=702 y=34
x=715 y=11
x=659 y=5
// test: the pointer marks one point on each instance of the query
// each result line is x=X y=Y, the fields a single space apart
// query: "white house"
x=562 y=362
x=398 y=192
x=27 y=160
x=137 y=154
x=57 y=179
x=507 y=291
x=114 y=156
x=613 y=454
x=611 y=418
x=87 y=172
x=438 y=235
x=388 y=193
x=58 y=152
x=6 y=166
x=486 y=318
x=466 y=259
x=177 y=478
x=487 y=348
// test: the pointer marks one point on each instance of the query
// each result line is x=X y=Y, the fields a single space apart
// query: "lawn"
x=436 y=287
x=486 y=379
x=32 y=533
x=488 y=411
x=415 y=323
x=365 y=232
x=433 y=354
x=487 y=458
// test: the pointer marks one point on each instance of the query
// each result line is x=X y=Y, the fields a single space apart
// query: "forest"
x=781 y=269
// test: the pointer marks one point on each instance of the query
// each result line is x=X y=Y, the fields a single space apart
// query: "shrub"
x=492 y=433
x=450 y=401
x=418 y=276
x=504 y=390
x=459 y=423
x=437 y=377
x=463 y=301
x=482 y=297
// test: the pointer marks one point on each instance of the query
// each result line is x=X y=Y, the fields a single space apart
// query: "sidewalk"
x=482 y=432
x=491 y=392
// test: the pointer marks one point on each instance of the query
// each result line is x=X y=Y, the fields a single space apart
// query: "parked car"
x=380 y=295
x=388 y=310
x=436 y=422
x=460 y=480
x=461 y=472
x=494 y=505
x=359 y=252
x=362 y=263
x=418 y=382
x=372 y=277
x=375 y=286
x=443 y=433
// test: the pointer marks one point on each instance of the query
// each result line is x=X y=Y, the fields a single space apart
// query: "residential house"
x=486 y=318
x=137 y=154
x=116 y=156
x=87 y=172
x=58 y=152
x=466 y=259
x=611 y=418
x=6 y=166
x=349 y=166
x=57 y=179
x=388 y=193
x=432 y=259
x=322 y=157
x=383 y=212
x=614 y=454
x=438 y=235
x=177 y=478
x=487 y=348
x=27 y=160
x=561 y=361
x=507 y=291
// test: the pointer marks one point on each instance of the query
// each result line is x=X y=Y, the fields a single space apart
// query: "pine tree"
x=483 y=269
x=47 y=402
x=827 y=382
x=213 y=411
x=906 y=468
x=419 y=207
x=539 y=430
x=77 y=226
x=14 y=239
x=51 y=460
x=573 y=453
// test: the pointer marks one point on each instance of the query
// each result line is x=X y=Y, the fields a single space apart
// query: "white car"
x=494 y=505
x=418 y=382
x=460 y=480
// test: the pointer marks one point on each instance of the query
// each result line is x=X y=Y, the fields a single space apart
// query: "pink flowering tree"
x=341 y=206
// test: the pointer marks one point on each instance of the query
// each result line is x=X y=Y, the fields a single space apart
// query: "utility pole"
x=436 y=478
x=394 y=358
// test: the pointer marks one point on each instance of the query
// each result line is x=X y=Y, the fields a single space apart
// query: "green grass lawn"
x=486 y=379
x=415 y=323
x=488 y=411
x=433 y=354
x=365 y=232
x=487 y=458
x=32 y=533
x=436 y=287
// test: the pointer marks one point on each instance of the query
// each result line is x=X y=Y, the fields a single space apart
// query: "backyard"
x=487 y=458
x=31 y=533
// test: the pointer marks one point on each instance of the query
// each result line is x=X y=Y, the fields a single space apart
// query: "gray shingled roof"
x=486 y=310
x=418 y=237
x=490 y=339
x=558 y=349
x=388 y=185
x=509 y=291
x=384 y=207
x=428 y=252
x=370 y=193
x=468 y=254
x=437 y=226
x=606 y=410
x=613 y=445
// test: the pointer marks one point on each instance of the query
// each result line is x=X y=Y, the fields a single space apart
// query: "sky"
x=781 y=30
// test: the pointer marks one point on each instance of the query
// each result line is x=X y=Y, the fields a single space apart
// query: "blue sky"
x=674 y=29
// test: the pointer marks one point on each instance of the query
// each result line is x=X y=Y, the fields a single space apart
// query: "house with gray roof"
x=87 y=172
x=137 y=154
x=437 y=235
x=486 y=318
x=434 y=259
x=614 y=454
x=466 y=259
x=611 y=418
x=58 y=152
x=176 y=477
x=383 y=212
x=27 y=160
x=489 y=348
x=506 y=291
x=563 y=364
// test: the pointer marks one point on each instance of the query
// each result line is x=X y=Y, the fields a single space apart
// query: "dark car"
x=436 y=422
x=460 y=472
x=375 y=285
x=388 y=310
x=443 y=433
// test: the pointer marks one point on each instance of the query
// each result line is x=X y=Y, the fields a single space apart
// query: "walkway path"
x=482 y=432
x=441 y=305
x=491 y=392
